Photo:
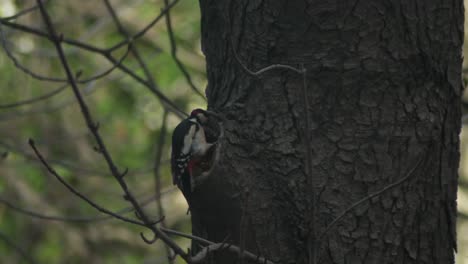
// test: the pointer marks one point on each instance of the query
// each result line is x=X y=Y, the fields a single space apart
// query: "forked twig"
x=179 y=63
x=75 y=191
x=145 y=29
x=116 y=64
x=56 y=39
x=107 y=53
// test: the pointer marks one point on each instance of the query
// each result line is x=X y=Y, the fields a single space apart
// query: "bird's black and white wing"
x=182 y=138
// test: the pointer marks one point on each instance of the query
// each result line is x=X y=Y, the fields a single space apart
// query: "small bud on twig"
x=97 y=149
x=78 y=74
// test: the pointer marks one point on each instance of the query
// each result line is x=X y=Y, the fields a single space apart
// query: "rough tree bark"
x=383 y=84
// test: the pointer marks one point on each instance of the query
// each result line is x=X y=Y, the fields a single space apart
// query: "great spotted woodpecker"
x=189 y=145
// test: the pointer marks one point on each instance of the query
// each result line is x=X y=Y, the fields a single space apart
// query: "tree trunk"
x=358 y=167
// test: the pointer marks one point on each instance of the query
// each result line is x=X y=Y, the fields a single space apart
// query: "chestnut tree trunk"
x=353 y=161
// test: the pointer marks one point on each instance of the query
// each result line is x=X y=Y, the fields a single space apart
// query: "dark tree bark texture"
x=383 y=88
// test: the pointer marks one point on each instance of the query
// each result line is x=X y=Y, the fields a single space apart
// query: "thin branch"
x=216 y=246
x=116 y=64
x=107 y=54
x=150 y=79
x=179 y=63
x=82 y=168
x=262 y=70
x=269 y=68
x=20 y=13
x=145 y=29
x=35 y=99
x=185 y=235
x=157 y=175
x=69 y=165
x=101 y=146
x=20 y=66
x=89 y=89
x=80 y=219
x=162 y=98
x=23 y=253
x=163 y=231
x=204 y=252
x=83 y=106
x=43 y=34
x=76 y=192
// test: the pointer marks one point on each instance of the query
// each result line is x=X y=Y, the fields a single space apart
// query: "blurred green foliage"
x=130 y=121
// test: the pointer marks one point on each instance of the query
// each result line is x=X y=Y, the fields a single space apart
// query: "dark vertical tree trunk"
x=382 y=86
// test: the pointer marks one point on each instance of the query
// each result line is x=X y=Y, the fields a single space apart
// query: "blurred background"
x=131 y=120
x=39 y=217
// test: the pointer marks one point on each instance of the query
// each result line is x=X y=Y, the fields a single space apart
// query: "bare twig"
x=102 y=148
x=64 y=163
x=35 y=99
x=20 y=13
x=269 y=68
x=265 y=69
x=181 y=234
x=23 y=253
x=116 y=64
x=217 y=246
x=179 y=63
x=157 y=175
x=40 y=33
x=76 y=192
x=20 y=66
x=165 y=231
x=145 y=29
x=150 y=83
x=81 y=168
x=107 y=54
x=57 y=40
x=203 y=254
x=134 y=50
x=49 y=108
x=79 y=219
x=162 y=98
x=223 y=246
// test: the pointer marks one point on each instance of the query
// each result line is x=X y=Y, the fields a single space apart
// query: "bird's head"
x=200 y=115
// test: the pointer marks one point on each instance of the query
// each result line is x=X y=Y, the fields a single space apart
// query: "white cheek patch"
x=188 y=140
x=199 y=146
